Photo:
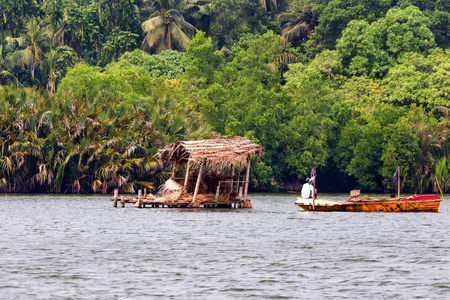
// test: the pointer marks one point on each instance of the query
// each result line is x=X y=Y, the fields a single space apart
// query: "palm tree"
x=33 y=37
x=199 y=13
x=49 y=65
x=432 y=142
x=166 y=27
x=298 y=23
x=268 y=5
x=7 y=44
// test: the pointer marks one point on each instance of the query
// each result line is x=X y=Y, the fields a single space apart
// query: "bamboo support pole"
x=197 y=185
x=174 y=169
x=238 y=177
x=186 y=178
x=217 y=192
x=398 y=184
x=232 y=175
x=240 y=193
x=247 y=177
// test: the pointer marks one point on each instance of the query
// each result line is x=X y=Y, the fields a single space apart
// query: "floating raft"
x=186 y=201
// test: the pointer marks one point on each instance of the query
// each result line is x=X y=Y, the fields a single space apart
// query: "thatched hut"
x=212 y=169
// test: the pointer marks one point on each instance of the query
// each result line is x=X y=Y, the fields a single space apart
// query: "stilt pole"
x=174 y=169
x=197 y=185
x=247 y=177
x=232 y=175
x=238 y=178
x=218 y=191
x=186 y=178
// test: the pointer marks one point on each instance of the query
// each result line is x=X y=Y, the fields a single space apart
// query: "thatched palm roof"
x=216 y=153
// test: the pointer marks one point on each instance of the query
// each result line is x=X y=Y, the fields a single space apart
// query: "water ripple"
x=80 y=247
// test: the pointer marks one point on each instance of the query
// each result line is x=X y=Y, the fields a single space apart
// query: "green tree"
x=419 y=79
x=202 y=61
x=232 y=20
x=310 y=127
x=359 y=53
x=167 y=64
x=404 y=30
x=117 y=44
x=372 y=49
x=361 y=144
x=14 y=14
x=243 y=97
x=336 y=14
x=400 y=149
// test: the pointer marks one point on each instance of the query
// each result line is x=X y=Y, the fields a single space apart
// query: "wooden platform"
x=202 y=201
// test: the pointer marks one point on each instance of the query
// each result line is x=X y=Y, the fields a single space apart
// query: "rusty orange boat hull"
x=425 y=203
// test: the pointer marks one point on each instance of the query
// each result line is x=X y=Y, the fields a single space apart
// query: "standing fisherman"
x=307 y=189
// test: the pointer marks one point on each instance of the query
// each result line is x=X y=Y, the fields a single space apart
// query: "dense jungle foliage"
x=91 y=89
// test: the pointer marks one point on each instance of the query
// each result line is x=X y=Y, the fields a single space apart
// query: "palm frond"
x=22 y=57
x=284 y=17
x=179 y=36
x=152 y=24
x=155 y=39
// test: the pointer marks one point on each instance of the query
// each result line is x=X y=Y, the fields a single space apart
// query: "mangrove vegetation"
x=91 y=89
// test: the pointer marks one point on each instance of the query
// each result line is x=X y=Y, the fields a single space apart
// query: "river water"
x=80 y=247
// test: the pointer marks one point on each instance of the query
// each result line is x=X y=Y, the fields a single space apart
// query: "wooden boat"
x=424 y=203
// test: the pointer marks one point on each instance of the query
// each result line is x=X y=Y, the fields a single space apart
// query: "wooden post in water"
x=122 y=201
x=197 y=185
x=116 y=194
x=141 y=203
x=247 y=177
x=138 y=201
x=186 y=177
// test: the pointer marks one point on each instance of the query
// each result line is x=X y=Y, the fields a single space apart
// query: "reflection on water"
x=80 y=247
